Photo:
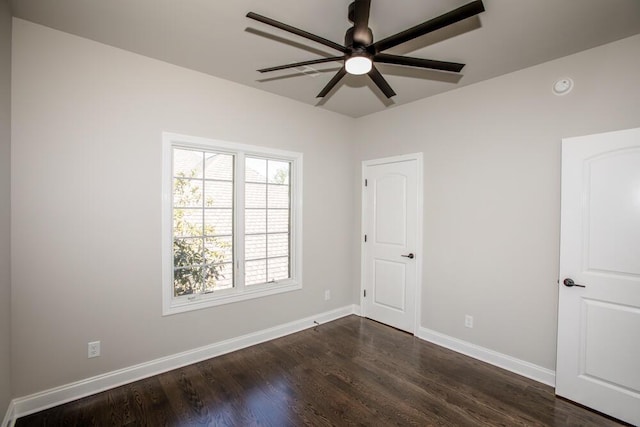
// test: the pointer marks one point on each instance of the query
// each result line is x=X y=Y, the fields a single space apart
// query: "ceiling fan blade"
x=418 y=62
x=464 y=12
x=302 y=64
x=296 y=31
x=334 y=81
x=361 y=32
x=381 y=82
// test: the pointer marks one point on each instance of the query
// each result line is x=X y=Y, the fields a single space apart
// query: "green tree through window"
x=198 y=255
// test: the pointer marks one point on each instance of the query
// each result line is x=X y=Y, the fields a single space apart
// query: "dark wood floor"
x=352 y=371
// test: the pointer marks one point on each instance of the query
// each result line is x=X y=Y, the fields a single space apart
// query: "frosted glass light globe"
x=358 y=65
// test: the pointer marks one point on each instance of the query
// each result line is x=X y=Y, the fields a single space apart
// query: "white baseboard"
x=520 y=367
x=26 y=405
x=9 y=418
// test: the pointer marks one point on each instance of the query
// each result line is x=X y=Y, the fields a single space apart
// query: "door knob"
x=570 y=283
x=410 y=256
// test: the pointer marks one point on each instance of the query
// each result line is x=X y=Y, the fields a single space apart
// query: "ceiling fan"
x=359 y=52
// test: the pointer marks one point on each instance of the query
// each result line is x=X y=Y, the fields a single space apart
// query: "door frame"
x=419 y=241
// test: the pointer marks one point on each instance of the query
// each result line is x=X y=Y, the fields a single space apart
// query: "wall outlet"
x=468 y=321
x=93 y=349
x=327 y=295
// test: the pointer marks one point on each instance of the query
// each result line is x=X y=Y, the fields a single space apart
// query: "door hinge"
x=365 y=182
x=365 y=238
x=365 y=293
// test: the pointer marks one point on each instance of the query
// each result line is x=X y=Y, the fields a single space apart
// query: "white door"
x=598 y=362
x=391 y=251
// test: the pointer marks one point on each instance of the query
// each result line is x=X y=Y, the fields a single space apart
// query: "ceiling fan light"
x=358 y=65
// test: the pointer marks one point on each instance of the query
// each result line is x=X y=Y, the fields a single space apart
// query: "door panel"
x=390 y=219
x=390 y=224
x=610 y=334
x=614 y=190
x=599 y=324
x=390 y=284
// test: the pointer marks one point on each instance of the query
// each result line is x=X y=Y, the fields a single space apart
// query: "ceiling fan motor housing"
x=350 y=43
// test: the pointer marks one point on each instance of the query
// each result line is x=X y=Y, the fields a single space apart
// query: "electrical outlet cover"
x=93 y=349
x=468 y=321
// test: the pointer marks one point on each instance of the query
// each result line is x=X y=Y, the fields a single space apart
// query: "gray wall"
x=5 y=203
x=492 y=190
x=87 y=122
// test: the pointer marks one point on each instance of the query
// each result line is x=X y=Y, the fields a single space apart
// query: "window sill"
x=211 y=300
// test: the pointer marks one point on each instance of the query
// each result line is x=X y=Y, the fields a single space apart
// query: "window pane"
x=202 y=264
x=255 y=170
x=255 y=246
x=278 y=172
x=187 y=192
x=218 y=166
x=217 y=277
x=255 y=272
x=187 y=281
x=203 y=212
x=187 y=163
x=218 y=194
x=278 y=196
x=255 y=221
x=218 y=221
x=218 y=249
x=187 y=252
x=187 y=222
x=278 y=269
x=255 y=196
x=278 y=245
x=278 y=221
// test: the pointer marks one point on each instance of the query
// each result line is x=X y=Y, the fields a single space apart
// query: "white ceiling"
x=215 y=37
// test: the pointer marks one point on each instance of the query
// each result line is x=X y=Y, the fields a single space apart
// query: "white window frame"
x=239 y=292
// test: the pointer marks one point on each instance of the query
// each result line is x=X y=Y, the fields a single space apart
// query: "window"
x=231 y=222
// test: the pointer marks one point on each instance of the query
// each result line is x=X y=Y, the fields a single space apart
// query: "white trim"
x=239 y=292
x=419 y=241
x=512 y=364
x=418 y=157
x=227 y=298
x=56 y=396
x=9 y=418
x=357 y=310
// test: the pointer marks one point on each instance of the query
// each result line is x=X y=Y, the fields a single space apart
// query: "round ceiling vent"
x=563 y=86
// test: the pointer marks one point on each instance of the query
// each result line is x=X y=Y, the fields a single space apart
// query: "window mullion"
x=204 y=227
x=266 y=224
x=292 y=217
x=239 y=223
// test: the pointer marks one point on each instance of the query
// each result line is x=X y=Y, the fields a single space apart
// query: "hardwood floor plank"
x=454 y=384
x=349 y=372
x=274 y=370
x=383 y=374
